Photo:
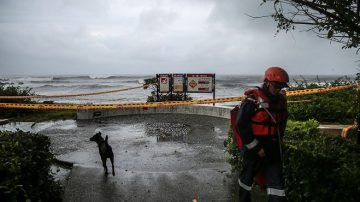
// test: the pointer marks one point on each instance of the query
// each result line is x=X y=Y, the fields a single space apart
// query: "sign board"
x=164 y=83
x=200 y=83
x=178 y=83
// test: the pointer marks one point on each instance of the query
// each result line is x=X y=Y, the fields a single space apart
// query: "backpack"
x=233 y=114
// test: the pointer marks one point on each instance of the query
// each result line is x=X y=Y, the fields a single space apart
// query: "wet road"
x=161 y=157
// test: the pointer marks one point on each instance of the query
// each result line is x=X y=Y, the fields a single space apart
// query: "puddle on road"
x=165 y=132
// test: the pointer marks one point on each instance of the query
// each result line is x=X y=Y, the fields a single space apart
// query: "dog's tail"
x=106 y=139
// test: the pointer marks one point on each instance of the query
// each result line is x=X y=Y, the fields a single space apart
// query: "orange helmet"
x=277 y=74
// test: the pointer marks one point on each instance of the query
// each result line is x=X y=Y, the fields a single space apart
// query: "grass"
x=46 y=115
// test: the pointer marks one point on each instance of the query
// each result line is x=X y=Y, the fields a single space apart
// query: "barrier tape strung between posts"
x=116 y=106
x=158 y=104
x=71 y=95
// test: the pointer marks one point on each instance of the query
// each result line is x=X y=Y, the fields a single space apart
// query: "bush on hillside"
x=25 y=168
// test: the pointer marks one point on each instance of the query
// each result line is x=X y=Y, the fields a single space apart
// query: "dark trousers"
x=273 y=177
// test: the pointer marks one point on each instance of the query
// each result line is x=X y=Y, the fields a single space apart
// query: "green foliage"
x=24 y=169
x=334 y=20
x=317 y=167
x=304 y=84
x=151 y=81
x=168 y=97
x=299 y=129
x=357 y=103
x=333 y=107
x=29 y=114
x=163 y=96
x=15 y=91
x=46 y=115
x=234 y=157
x=320 y=167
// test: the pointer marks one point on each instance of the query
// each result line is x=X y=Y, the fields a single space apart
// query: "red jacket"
x=260 y=118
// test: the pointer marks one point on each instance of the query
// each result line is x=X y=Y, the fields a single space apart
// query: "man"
x=261 y=123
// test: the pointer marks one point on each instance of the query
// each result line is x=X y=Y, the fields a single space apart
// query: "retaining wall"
x=206 y=110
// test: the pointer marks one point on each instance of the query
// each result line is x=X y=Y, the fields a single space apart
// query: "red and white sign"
x=164 y=85
x=200 y=83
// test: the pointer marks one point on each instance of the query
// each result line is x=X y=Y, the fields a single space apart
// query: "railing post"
x=358 y=111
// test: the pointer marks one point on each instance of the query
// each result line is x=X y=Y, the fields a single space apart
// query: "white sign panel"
x=178 y=83
x=200 y=83
x=164 y=83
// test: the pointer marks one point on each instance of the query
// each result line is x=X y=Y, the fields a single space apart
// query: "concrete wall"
x=206 y=110
x=222 y=112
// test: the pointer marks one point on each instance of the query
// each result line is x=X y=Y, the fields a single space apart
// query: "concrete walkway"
x=90 y=184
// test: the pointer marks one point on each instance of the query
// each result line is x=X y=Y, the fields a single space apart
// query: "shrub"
x=25 y=168
x=152 y=83
x=320 y=167
x=234 y=157
x=334 y=107
x=15 y=91
x=168 y=97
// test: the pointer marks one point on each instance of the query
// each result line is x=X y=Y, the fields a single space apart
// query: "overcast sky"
x=40 y=37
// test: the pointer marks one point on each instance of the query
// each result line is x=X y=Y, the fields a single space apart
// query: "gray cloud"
x=143 y=36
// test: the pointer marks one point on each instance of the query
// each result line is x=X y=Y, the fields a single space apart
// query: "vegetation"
x=332 y=107
x=152 y=83
x=337 y=20
x=29 y=114
x=14 y=91
x=45 y=115
x=24 y=169
x=320 y=167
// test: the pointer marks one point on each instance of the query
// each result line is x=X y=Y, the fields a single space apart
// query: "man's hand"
x=261 y=152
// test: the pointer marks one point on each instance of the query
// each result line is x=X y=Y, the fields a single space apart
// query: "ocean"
x=226 y=86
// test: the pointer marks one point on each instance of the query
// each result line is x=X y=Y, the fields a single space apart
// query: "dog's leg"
x=104 y=165
x=112 y=164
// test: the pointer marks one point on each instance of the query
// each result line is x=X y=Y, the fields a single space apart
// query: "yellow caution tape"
x=298 y=101
x=117 y=106
x=317 y=90
x=158 y=104
x=71 y=95
x=345 y=131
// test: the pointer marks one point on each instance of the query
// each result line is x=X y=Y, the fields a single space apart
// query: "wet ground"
x=157 y=157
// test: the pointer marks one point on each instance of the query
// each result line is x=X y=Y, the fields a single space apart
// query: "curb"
x=4 y=121
x=64 y=164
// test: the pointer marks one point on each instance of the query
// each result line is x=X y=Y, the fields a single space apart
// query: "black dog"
x=105 y=150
